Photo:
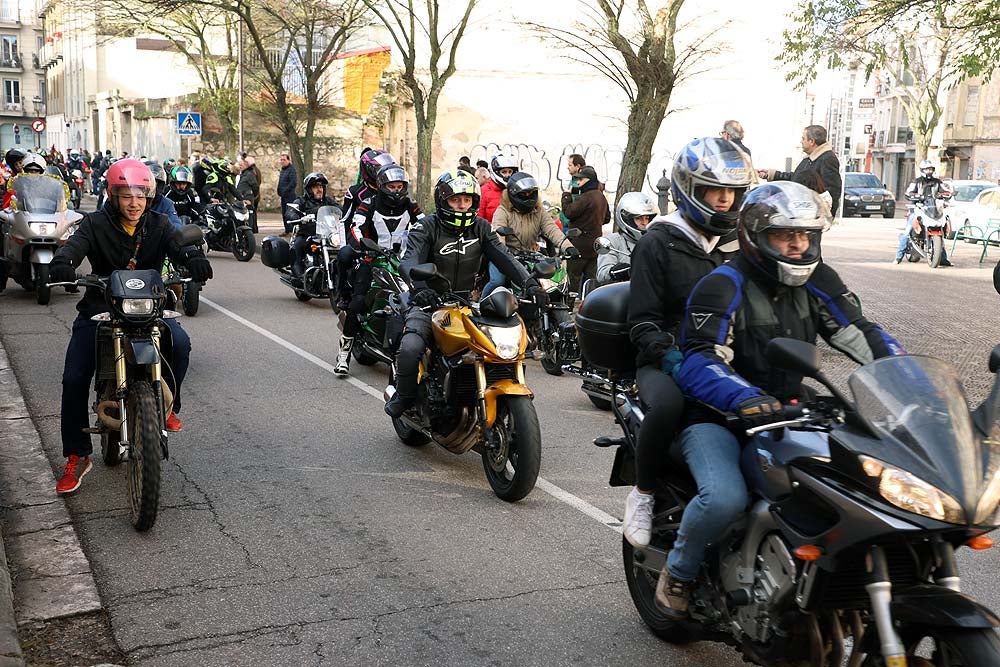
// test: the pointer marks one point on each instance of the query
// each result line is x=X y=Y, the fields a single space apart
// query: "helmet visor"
x=791 y=245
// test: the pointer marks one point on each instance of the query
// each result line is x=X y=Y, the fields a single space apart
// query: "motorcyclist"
x=923 y=186
x=124 y=234
x=387 y=221
x=709 y=180
x=182 y=193
x=778 y=285
x=75 y=161
x=13 y=159
x=501 y=168
x=32 y=163
x=634 y=212
x=161 y=204
x=455 y=239
x=219 y=178
x=521 y=210
x=313 y=198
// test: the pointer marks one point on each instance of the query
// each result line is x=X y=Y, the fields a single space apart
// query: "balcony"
x=8 y=13
x=904 y=135
x=11 y=61
x=12 y=107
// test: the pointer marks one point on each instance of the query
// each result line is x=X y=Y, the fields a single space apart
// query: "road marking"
x=548 y=487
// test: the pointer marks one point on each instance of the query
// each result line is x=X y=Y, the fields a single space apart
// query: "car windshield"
x=862 y=181
x=968 y=192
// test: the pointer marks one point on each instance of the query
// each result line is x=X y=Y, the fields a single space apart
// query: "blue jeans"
x=904 y=243
x=497 y=279
x=81 y=361
x=712 y=454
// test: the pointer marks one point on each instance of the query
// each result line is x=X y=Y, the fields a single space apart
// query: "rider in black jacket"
x=124 y=234
x=455 y=240
x=777 y=287
x=183 y=194
x=313 y=198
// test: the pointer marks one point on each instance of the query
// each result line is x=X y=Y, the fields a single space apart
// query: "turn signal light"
x=314 y=247
x=808 y=552
x=980 y=542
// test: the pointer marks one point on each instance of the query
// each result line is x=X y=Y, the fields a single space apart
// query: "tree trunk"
x=426 y=114
x=644 y=122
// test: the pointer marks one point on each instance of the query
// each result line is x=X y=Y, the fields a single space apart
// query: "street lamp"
x=37 y=102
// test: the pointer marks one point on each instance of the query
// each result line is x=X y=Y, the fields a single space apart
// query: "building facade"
x=972 y=131
x=22 y=72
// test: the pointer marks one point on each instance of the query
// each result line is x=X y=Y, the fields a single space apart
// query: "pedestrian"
x=482 y=175
x=247 y=189
x=252 y=162
x=820 y=158
x=732 y=131
x=585 y=208
x=573 y=166
x=482 y=163
x=287 y=181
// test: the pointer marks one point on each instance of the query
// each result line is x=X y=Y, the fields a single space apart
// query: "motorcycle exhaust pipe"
x=111 y=423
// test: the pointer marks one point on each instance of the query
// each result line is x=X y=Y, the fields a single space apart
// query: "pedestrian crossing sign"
x=189 y=123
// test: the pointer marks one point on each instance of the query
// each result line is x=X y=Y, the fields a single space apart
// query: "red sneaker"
x=76 y=468
x=173 y=423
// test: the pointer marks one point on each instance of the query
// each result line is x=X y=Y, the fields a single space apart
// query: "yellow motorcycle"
x=471 y=392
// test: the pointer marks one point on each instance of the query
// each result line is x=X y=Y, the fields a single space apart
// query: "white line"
x=548 y=487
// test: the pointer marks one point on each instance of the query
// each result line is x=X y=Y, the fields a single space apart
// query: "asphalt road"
x=296 y=529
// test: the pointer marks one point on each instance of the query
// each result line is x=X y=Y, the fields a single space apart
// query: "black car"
x=865 y=195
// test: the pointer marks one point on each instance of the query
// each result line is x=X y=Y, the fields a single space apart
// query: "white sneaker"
x=638 y=522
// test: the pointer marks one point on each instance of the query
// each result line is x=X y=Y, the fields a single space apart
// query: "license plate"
x=873 y=207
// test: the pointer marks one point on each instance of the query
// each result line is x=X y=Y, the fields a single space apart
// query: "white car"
x=974 y=203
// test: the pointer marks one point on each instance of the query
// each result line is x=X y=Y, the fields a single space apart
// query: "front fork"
x=329 y=268
x=121 y=384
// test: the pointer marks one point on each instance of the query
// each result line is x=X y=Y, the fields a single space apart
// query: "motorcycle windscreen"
x=328 y=222
x=918 y=406
x=40 y=195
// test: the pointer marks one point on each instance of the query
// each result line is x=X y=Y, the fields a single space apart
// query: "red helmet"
x=131 y=173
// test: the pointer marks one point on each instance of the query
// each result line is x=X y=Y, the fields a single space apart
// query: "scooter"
x=38 y=223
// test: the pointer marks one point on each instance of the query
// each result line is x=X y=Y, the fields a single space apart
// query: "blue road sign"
x=189 y=123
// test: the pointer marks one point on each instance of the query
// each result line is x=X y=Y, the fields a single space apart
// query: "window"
x=8 y=50
x=990 y=199
x=971 y=106
x=41 y=90
x=12 y=94
x=952 y=103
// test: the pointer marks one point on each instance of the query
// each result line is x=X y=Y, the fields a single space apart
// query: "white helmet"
x=925 y=166
x=631 y=205
x=35 y=161
x=501 y=161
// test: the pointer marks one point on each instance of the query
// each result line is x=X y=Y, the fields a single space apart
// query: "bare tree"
x=644 y=62
x=417 y=32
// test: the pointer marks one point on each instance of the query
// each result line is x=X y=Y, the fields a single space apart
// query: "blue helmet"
x=707 y=163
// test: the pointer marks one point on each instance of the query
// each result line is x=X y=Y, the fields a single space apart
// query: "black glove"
x=759 y=410
x=535 y=292
x=620 y=271
x=61 y=272
x=200 y=269
x=571 y=252
x=425 y=298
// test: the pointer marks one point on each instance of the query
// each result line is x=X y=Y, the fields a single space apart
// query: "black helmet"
x=522 y=188
x=498 y=162
x=372 y=159
x=631 y=206
x=456 y=183
x=707 y=163
x=392 y=173
x=159 y=173
x=13 y=157
x=789 y=209
x=314 y=178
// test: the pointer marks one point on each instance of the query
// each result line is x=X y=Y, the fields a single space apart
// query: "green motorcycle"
x=372 y=343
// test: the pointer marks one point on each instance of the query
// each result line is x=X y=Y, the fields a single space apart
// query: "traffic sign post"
x=189 y=125
x=37 y=126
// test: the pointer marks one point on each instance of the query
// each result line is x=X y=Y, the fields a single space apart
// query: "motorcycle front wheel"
x=512 y=461
x=144 y=461
x=551 y=361
x=244 y=244
x=191 y=299
x=935 y=251
x=642 y=588
x=948 y=647
x=43 y=293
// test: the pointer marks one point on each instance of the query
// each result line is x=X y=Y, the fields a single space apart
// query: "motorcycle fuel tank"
x=766 y=458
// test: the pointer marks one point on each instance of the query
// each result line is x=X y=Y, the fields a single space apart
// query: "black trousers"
x=415 y=341
x=664 y=408
x=362 y=281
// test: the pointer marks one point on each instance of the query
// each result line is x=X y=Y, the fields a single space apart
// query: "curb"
x=52 y=576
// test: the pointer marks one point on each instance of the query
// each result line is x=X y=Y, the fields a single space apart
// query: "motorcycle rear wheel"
x=144 y=461
x=642 y=589
x=362 y=357
x=953 y=647
x=244 y=245
x=513 y=470
x=935 y=251
x=43 y=293
x=551 y=361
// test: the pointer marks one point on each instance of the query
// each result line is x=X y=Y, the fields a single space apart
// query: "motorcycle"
x=101 y=192
x=471 y=392
x=546 y=327
x=36 y=226
x=133 y=400
x=373 y=344
x=227 y=230
x=181 y=289
x=75 y=188
x=319 y=274
x=856 y=511
x=928 y=228
x=598 y=384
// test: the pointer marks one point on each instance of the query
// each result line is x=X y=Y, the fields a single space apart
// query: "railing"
x=904 y=135
x=8 y=12
x=9 y=105
x=11 y=60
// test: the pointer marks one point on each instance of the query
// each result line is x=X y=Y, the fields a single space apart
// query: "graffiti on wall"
x=606 y=161
x=984 y=170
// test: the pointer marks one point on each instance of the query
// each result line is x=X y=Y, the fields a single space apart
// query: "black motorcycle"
x=319 y=270
x=857 y=508
x=227 y=229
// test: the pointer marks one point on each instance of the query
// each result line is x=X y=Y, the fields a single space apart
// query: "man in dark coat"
x=821 y=158
x=287 y=181
x=588 y=212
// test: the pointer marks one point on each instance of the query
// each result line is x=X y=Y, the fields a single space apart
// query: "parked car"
x=963 y=199
x=982 y=212
x=865 y=195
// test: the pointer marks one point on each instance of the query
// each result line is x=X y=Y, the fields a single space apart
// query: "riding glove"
x=620 y=271
x=536 y=293
x=200 y=269
x=425 y=298
x=571 y=252
x=61 y=272
x=759 y=410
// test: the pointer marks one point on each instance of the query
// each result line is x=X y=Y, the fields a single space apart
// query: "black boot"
x=404 y=398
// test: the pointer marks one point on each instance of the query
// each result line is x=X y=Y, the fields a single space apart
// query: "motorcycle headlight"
x=137 y=306
x=334 y=238
x=507 y=340
x=241 y=215
x=988 y=510
x=547 y=284
x=908 y=492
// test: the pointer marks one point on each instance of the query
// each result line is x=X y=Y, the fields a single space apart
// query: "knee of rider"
x=726 y=501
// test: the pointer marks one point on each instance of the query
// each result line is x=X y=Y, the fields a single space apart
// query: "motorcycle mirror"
x=573 y=232
x=602 y=246
x=188 y=235
x=293 y=206
x=995 y=359
x=794 y=355
x=370 y=244
x=505 y=231
x=424 y=271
